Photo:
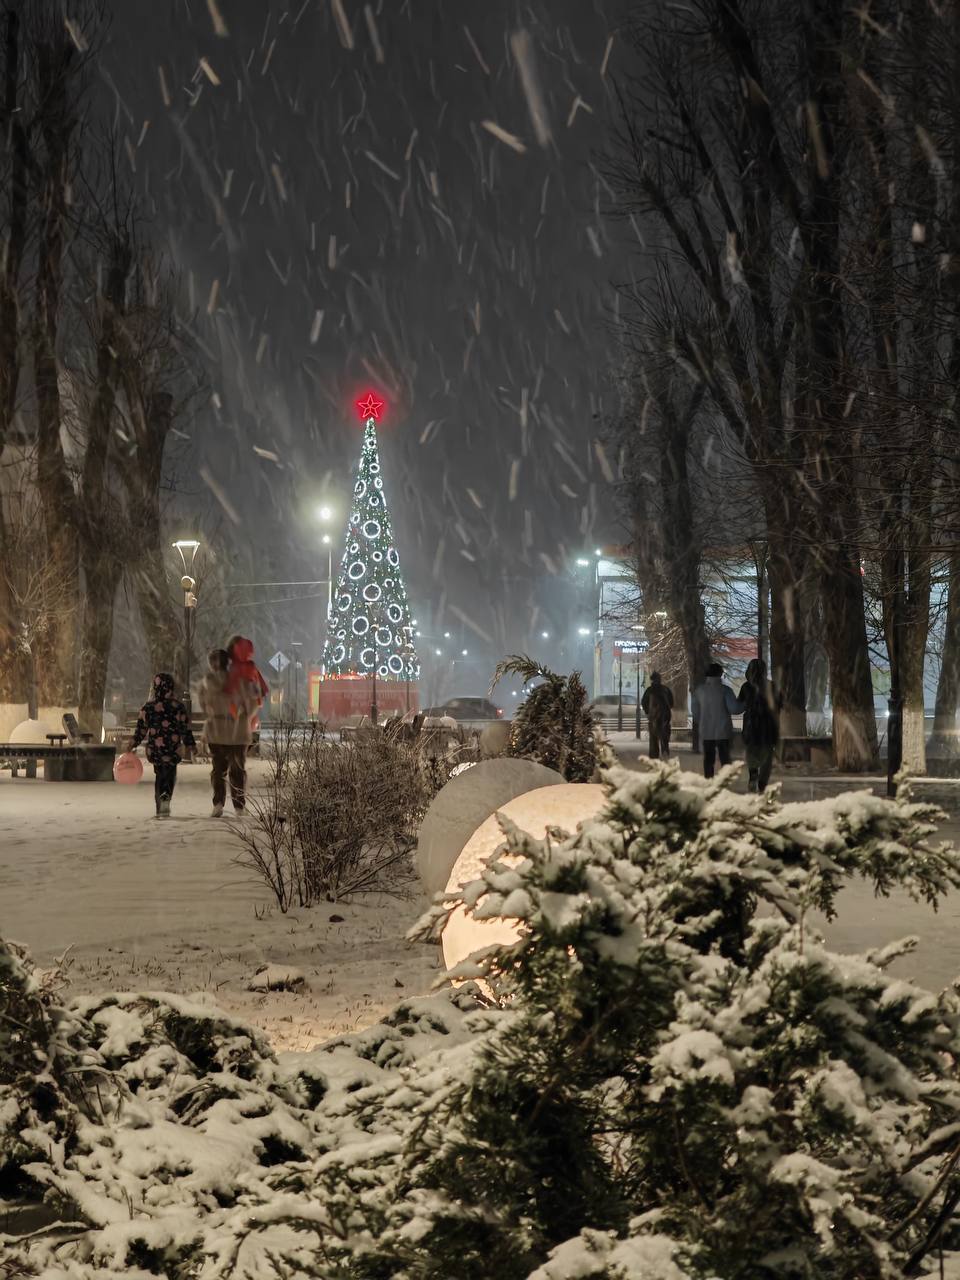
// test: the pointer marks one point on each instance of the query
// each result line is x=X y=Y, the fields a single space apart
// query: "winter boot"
x=163 y=809
x=217 y=811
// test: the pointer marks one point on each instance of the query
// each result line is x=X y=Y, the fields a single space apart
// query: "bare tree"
x=723 y=294
x=57 y=74
x=654 y=438
x=40 y=596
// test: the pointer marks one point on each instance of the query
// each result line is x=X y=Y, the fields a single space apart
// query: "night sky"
x=326 y=179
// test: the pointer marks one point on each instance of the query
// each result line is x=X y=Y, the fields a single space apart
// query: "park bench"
x=73 y=731
x=807 y=750
x=62 y=762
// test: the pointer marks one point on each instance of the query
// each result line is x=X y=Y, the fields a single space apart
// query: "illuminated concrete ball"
x=461 y=806
x=565 y=806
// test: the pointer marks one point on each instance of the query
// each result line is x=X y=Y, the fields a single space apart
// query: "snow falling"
x=415 y=414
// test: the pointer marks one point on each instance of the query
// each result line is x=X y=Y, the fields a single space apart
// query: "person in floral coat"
x=165 y=728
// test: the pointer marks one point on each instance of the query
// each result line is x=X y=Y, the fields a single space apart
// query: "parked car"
x=468 y=711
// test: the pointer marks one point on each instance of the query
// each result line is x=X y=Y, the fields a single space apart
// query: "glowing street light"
x=583 y=563
x=583 y=631
x=545 y=635
x=463 y=653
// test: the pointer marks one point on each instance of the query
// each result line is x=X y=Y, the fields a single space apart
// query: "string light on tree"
x=368 y=633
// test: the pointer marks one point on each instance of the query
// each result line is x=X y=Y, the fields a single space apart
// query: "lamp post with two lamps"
x=325 y=514
x=187 y=549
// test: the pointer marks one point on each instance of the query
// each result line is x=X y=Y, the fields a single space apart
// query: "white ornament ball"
x=33 y=732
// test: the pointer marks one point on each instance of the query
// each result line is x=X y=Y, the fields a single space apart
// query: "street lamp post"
x=295 y=645
x=325 y=514
x=328 y=541
x=373 y=697
x=637 y=724
x=620 y=692
x=187 y=550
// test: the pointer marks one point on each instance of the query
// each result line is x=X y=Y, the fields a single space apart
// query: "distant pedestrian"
x=163 y=724
x=713 y=704
x=227 y=730
x=761 y=724
x=657 y=706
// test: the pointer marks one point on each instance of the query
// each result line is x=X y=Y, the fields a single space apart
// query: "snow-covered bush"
x=677 y=1080
x=164 y=1137
x=680 y=1069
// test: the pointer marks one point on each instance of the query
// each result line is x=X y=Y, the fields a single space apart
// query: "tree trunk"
x=948 y=684
x=787 y=639
x=148 y=575
x=103 y=537
x=58 y=666
x=845 y=640
x=101 y=576
x=913 y=650
x=680 y=688
x=12 y=668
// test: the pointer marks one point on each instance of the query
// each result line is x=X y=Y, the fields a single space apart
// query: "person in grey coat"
x=713 y=704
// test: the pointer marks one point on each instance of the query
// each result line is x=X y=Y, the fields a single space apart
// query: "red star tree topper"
x=370 y=407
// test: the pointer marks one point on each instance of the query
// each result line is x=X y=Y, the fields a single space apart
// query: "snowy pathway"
x=160 y=905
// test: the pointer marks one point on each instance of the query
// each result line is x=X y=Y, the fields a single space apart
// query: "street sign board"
x=279 y=662
x=629 y=646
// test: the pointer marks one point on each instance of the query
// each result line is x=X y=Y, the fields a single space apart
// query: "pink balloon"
x=127 y=768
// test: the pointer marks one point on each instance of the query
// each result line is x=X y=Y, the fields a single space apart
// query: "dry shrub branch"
x=336 y=819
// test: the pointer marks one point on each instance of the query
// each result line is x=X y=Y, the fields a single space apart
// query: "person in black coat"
x=657 y=706
x=761 y=724
x=164 y=726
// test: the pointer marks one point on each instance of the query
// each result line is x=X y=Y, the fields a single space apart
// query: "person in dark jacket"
x=761 y=724
x=164 y=726
x=657 y=706
x=713 y=704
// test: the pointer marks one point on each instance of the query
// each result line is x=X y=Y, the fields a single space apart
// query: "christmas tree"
x=370 y=629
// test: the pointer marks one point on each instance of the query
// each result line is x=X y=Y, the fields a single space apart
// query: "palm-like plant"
x=554 y=724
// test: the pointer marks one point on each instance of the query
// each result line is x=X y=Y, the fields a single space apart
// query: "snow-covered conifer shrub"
x=554 y=724
x=677 y=1080
x=682 y=1080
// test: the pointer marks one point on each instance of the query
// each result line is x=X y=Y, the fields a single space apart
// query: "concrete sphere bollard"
x=464 y=804
x=565 y=806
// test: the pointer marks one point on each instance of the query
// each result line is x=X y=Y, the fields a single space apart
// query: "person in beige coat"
x=228 y=730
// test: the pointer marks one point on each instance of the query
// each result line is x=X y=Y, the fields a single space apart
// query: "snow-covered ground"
x=160 y=905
